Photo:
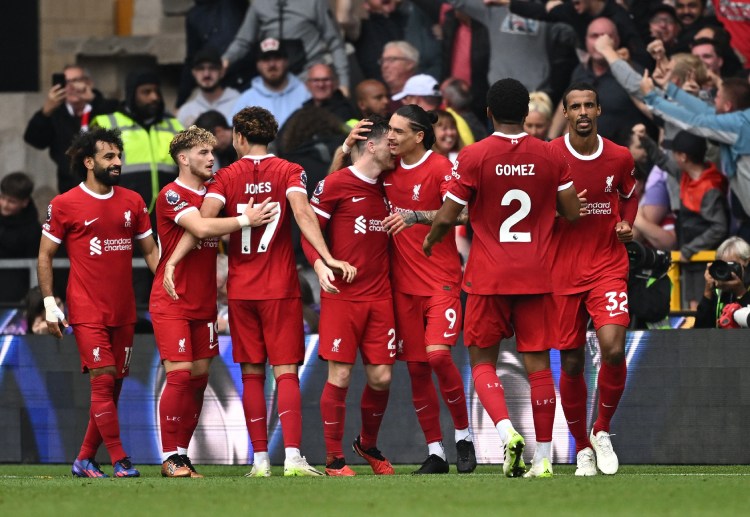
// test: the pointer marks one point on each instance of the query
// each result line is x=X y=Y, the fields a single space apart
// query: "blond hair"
x=540 y=101
x=189 y=138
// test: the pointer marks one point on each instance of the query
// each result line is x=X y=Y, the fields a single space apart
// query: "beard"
x=103 y=175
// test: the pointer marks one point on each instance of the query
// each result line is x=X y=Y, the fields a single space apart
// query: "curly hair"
x=256 y=124
x=420 y=120
x=508 y=101
x=189 y=138
x=84 y=146
x=306 y=124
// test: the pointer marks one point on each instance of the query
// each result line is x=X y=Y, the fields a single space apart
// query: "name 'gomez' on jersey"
x=588 y=250
x=351 y=209
x=261 y=260
x=195 y=275
x=422 y=186
x=98 y=232
x=510 y=183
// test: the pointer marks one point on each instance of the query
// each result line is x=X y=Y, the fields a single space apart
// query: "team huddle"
x=541 y=264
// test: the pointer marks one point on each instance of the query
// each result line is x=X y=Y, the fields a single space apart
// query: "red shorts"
x=607 y=304
x=100 y=346
x=492 y=318
x=425 y=320
x=267 y=330
x=346 y=326
x=181 y=340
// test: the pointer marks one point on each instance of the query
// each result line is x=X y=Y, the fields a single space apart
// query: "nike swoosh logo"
x=86 y=223
x=392 y=354
x=97 y=415
x=423 y=407
x=613 y=314
x=445 y=334
x=284 y=413
x=378 y=414
x=573 y=422
x=387 y=184
x=454 y=400
x=330 y=423
x=605 y=405
x=357 y=199
x=256 y=419
x=211 y=347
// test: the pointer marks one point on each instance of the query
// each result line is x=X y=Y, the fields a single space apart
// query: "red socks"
x=93 y=439
x=372 y=408
x=254 y=405
x=490 y=391
x=425 y=400
x=573 y=396
x=333 y=414
x=451 y=386
x=543 y=403
x=290 y=409
x=172 y=407
x=192 y=410
x=103 y=413
x=611 y=386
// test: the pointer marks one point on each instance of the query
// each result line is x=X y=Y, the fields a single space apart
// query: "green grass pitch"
x=40 y=490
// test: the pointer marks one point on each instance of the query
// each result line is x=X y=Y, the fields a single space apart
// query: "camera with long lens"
x=648 y=260
x=722 y=271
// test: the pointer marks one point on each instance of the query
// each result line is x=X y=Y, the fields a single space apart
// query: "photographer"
x=649 y=287
x=725 y=283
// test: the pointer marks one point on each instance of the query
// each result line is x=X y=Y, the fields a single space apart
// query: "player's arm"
x=150 y=251
x=325 y=275
x=348 y=153
x=568 y=203
x=253 y=216
x=443 y=220
x=308 y=225
x=399 y=221
x=53 y=315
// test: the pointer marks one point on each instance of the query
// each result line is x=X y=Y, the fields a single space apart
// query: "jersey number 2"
x=265 y=240
x=506 y=235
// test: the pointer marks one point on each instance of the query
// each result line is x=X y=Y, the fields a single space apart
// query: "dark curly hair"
x=84 y=146
x=308 y=123
x=420 y=120
x=256 y=124
x=508 y=101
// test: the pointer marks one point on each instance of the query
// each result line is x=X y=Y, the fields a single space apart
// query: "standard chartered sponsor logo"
x=360 y=225
x=95 y=246
x=599 y=208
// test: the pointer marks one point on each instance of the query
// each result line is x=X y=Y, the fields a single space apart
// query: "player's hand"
x=726 y=320
x=168 y=281
x=346 y=270
x=358 y=132
x=624 y=231
x=325 y=277
x=55 y=98
x=584 y=210
x=647 y=84
x=54 y=316
x=427 y=246
x=394 y=223
x=262 y=214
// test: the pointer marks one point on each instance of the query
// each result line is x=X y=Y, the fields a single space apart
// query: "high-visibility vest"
x=144 y=150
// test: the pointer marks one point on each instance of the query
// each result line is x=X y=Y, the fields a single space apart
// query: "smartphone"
x=58 y=80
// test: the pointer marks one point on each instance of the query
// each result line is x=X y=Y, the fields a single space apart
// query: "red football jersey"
x=422 y=186
x=510 y=183
x=587 y=250
x=351 y=209
x=98 y=232
x=195 y=275
x=261 y=260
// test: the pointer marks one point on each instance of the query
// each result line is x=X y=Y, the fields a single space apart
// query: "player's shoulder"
x=126 y=194
x=438 y=160
x=558 y=143
x=613 y=149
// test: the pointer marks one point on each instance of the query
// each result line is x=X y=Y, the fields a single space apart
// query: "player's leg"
x=333 y=413
x=174 y=341
x=444 y=317
x=410 y=327
x=608 y=306
x=573 y=318
x=378 y=351
x=487 y=322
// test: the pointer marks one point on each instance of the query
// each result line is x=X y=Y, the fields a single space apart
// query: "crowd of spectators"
x=672 y=78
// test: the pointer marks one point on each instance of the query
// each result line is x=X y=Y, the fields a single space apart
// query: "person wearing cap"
x=275 y=89
x=147 y=129
x=208 y=74
x=663 y=25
